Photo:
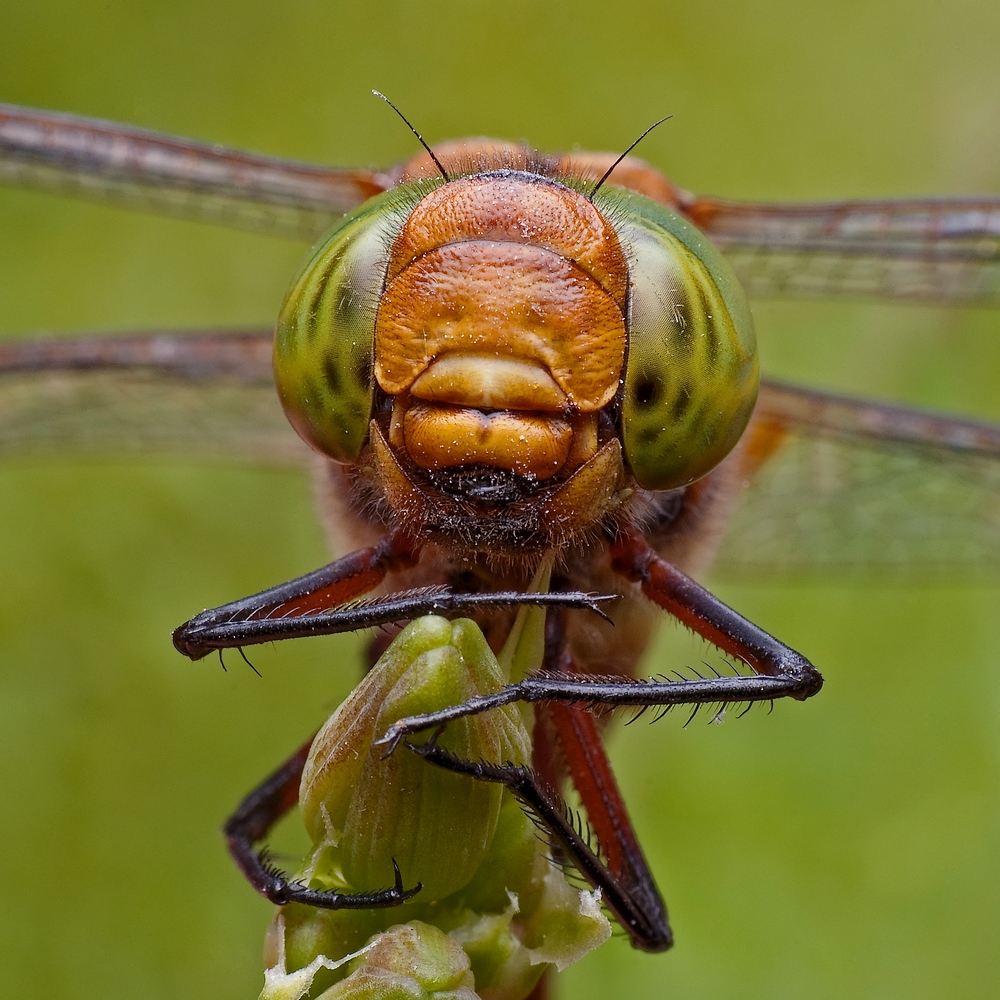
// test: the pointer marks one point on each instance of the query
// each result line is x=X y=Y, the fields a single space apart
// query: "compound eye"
x=692 y=373
x=326 y=328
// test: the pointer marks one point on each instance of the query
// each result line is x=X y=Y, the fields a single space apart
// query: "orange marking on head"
x=512 y=301
x=490 y=382
x=441 y=437
x=468 y=156
x=521 y=208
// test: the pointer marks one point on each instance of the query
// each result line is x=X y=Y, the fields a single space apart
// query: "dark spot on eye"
x=315 y=394
x=312 y=327
x=708 y=421
x=645 y=392
x=356 y=412
x=320 y=288
x=331 y=372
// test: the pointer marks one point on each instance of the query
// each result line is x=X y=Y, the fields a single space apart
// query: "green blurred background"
x=846 y=847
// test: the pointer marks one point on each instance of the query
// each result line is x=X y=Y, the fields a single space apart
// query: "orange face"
x=501 y=330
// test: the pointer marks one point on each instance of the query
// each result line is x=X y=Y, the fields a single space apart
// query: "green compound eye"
x=692 y=372
x=324 y=338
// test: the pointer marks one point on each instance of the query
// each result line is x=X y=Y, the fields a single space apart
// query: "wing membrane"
x=932 y=250
x=839 y=485
x=944 y=250
x=209 y=394
x=847 y=486
x=137 y=168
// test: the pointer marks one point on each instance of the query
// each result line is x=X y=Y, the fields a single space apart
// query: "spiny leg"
x=779 y=671
x=690 y=603
x=590 y=771
x=333 y=585
x=603 y=693
x=648 y=934
x=320 y=603
x=578 y=736
x=255 y=817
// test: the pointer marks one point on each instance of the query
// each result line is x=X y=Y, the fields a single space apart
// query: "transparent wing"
x=837 y=485
x=207 y=394
x=841 y=485
x=933 y=250
x=136 y=168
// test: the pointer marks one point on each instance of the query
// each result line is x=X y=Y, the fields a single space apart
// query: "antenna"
x=607 y=173
x=430 y=152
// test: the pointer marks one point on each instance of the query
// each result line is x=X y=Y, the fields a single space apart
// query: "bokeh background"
x=845 y=847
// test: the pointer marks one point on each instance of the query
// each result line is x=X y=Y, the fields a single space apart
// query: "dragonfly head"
x=499 y=342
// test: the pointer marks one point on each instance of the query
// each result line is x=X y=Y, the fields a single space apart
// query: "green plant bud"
x=494 y=912
x=507 y=868
x=414 y=961
x=552 y=924
x=372 y=809
x=298 y=935
x=566 y=924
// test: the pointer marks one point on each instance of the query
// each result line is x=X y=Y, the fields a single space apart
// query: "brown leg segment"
x=702 y=612
x=590 y=771
x=329 y=587
x=648 y=930
x=568 y=739
x=322 y=603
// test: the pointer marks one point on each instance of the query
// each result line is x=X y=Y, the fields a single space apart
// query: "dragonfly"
x=817 y=482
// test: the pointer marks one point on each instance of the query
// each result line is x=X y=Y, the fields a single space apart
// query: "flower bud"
x=374 y=809
x=493 y=912
x=414 y=961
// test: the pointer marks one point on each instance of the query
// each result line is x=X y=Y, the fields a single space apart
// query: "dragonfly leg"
x=579 y=738
x=602 y=694
x=577 y=734
x=565 y=695
x=647 y=931
x=324 y=602
x=331 y=586
x=634 y=558
x=778 y=671
x=252 y=821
